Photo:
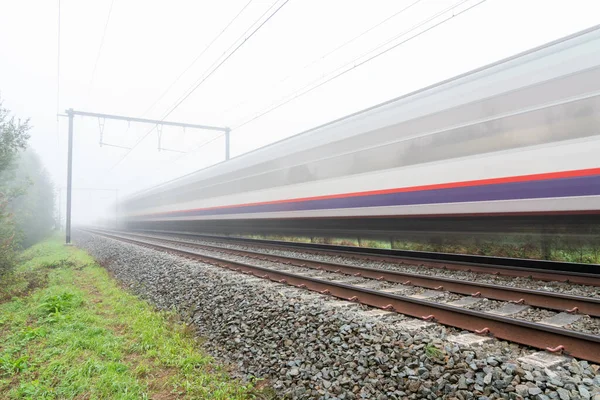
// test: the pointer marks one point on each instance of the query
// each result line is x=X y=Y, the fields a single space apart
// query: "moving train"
x=512 y=145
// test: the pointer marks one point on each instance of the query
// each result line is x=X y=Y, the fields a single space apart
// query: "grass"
x=433 y=352
x=68 y=331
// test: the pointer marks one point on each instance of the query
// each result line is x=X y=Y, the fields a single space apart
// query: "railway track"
x=290 y=271
x=549 y=271
x=537 y=298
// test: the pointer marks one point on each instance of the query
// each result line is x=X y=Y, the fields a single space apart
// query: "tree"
x=33 y=199
x=13 y=138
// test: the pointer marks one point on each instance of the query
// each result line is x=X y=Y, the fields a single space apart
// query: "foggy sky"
x=149 y=43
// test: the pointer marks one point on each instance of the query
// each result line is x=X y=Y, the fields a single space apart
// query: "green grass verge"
x=67 y=331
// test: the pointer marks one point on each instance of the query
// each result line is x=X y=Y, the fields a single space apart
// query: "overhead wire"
x=206 y=48
x=202 y=80
x=414 y=3
x=339 y=47
x=307 y=88
x=197 y=57
x=58 y=77
x=207 y=142
x=58 y=64
x=208 y=73
x=101 y=46
x=356 y=63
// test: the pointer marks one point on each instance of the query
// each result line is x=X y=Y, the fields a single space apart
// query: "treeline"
x=26 y=192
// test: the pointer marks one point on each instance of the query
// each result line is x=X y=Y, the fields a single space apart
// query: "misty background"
x=138 y=58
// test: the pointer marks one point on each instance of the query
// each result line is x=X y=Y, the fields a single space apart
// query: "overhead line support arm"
x=148 y=121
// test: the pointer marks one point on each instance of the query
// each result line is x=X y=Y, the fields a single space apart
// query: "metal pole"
x=227 y=132
x=69 y=175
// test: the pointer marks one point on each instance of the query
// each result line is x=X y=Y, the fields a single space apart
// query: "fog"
x=124 y=64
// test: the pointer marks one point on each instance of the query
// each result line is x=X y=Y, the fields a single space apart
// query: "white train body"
x=520 y=136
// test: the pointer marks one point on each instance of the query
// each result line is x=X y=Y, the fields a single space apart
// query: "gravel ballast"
x=587 y=325
x=517 y=282
x=308 y=345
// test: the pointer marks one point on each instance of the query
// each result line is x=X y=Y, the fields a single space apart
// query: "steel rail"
x=537 y=298
x=548 y=271
x=547 y=337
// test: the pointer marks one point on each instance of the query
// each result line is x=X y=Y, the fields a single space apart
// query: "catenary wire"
x=205 y=143
x=100 y=48
x=339 y=47
x=58 y=66
x=197 y=85
x=197 y=57
x=322 y=57
x=181 y=99
x=58 y=79
x=145 y=135
x=210 y=68
x=354 y=64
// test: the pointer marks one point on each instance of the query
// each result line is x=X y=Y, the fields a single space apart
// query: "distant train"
x=517 y=139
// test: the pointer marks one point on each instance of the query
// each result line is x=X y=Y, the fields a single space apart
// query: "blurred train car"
x=512 y=146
